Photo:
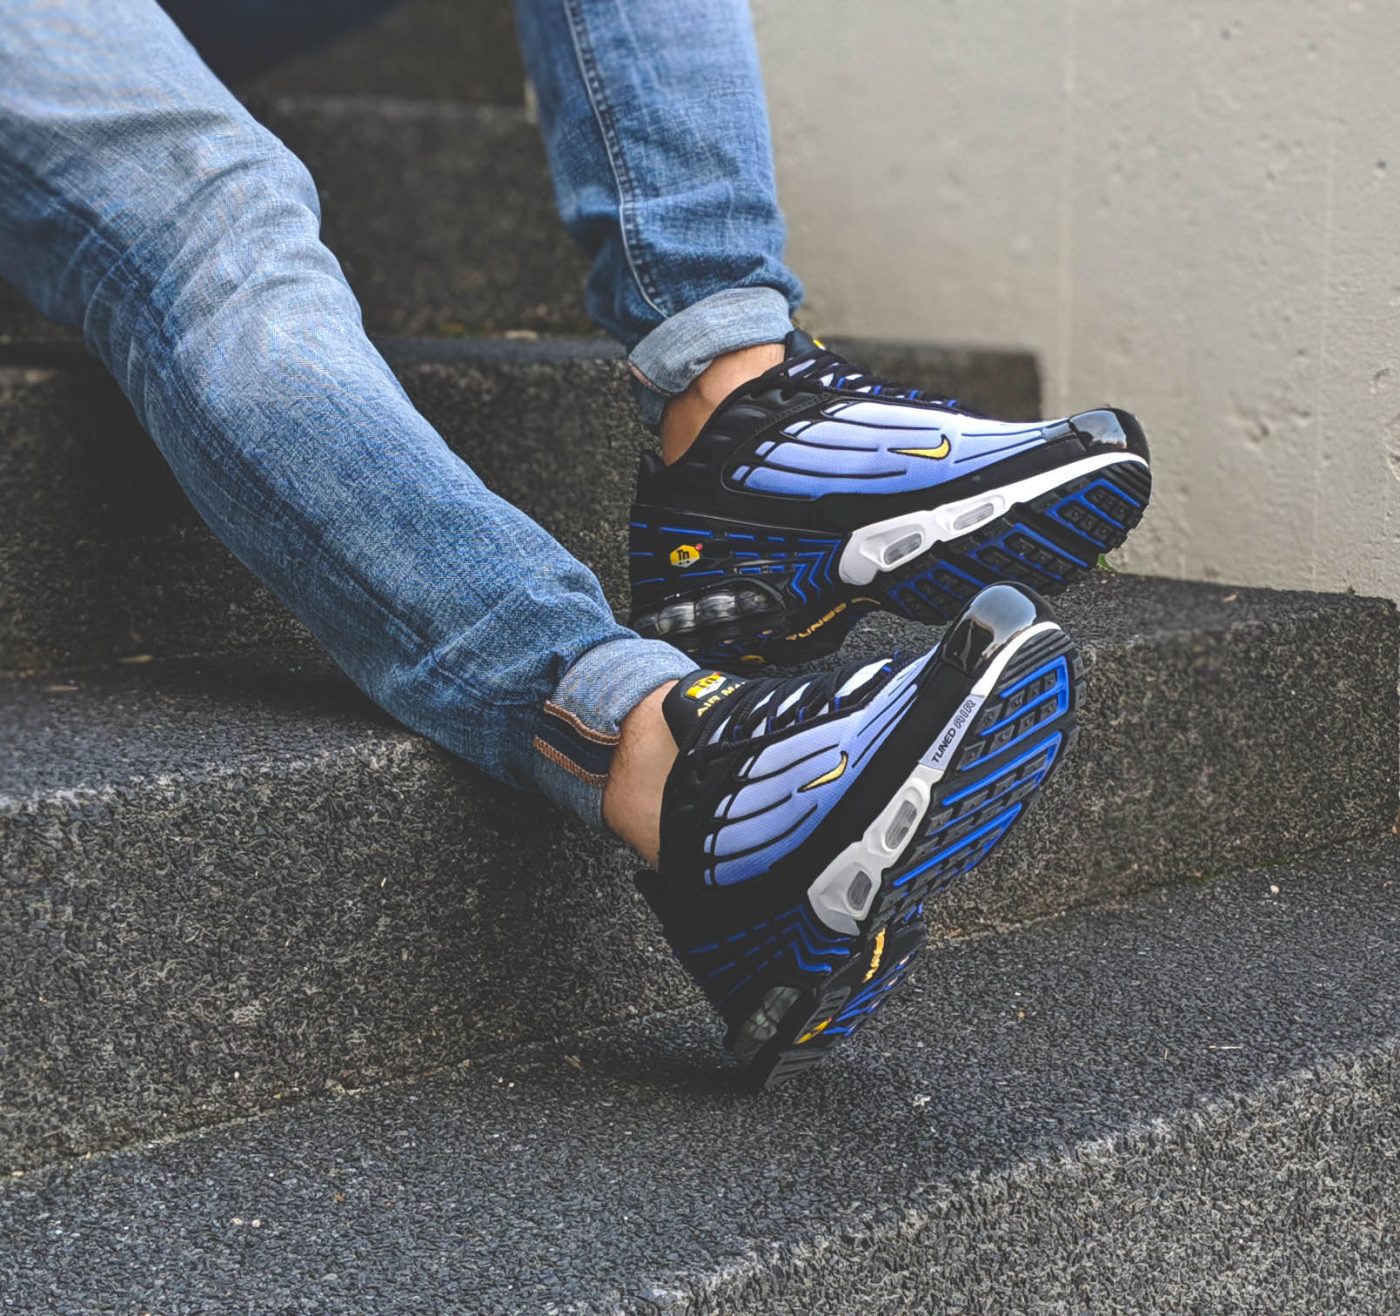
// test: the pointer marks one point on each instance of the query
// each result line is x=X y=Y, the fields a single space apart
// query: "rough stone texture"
x=229 y=883
x=20 y=324
x=454 y=50
x=1214 y=737
x=1185 y=1105
x=225 y=886
x=100 y=553
x=100 y=556
x=441 y=215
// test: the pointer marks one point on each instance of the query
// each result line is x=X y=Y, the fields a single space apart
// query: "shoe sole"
x=979 y=775
x=781 y=595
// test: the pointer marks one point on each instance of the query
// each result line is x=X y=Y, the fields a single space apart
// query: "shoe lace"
x=767 y=707
x=824 y=370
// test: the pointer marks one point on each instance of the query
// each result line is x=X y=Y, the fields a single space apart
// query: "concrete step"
x=441 y=214
x=101 y=556
x=1184 y=1104
x=452 y=50
x=228 y=883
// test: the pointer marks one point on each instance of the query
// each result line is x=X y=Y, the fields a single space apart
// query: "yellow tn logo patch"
x=704 y=685
x=685 y=555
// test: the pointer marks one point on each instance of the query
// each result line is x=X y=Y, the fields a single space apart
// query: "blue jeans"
x=141 y=202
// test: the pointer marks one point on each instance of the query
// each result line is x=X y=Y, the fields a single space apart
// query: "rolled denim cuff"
x=581 y=723
x=666 y=361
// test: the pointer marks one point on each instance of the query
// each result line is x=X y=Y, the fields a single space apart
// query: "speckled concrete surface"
x=441 y=214
x=227 y=884
x=462 y=50
x=224 y=887
x=1184 y=1105
x=102 y=556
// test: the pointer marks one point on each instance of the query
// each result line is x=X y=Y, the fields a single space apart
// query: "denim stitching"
x=641 y=378
x=603 y=116
x=589 y=733
x=559 y=759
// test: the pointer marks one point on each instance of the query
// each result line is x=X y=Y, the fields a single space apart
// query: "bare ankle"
x=687 y=412
x=641 y=764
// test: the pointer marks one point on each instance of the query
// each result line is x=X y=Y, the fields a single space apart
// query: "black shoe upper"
x=818 y=492
x=752 y=462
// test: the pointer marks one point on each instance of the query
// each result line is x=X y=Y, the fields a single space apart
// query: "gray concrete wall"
x=1190 y=209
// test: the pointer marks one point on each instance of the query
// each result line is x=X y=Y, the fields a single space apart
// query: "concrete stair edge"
x=104 y=557
x=340 y=903
x=992 y=1141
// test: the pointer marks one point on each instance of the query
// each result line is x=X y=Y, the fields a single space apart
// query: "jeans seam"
x=562 y=760
x=639 y=375
x=622 y=178
x=579 y=725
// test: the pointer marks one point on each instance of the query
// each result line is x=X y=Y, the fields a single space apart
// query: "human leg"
x=656 y=126
x=141 y=202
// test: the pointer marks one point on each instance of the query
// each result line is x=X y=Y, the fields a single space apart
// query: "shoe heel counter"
x=1135 y=434
x=1109 y=428
x=996 y=617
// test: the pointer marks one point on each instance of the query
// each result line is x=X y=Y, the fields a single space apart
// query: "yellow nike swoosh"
x=942 y=450
x=838 y=771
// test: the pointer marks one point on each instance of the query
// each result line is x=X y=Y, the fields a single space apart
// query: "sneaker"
x=817 y=493
x=808 y=818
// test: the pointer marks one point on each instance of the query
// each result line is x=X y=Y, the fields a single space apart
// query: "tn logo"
x=685 y=555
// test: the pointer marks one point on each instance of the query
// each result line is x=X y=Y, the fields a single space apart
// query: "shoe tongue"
x=693 y=702
x=799 y=343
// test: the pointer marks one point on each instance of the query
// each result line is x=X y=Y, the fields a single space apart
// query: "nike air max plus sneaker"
x=816 y=493
x=808 y=818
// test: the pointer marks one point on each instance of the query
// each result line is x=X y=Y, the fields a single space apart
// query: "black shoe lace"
x=844 y=377
x=752 y=710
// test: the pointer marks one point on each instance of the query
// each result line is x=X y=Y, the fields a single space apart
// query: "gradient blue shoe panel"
x=808 y=819
x=818 y=493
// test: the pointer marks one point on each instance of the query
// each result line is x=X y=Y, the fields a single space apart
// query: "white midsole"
x=870 y=857
x=885 y=545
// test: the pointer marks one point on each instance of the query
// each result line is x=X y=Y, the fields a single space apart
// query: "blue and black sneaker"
x=808 y=818
x=816 y=493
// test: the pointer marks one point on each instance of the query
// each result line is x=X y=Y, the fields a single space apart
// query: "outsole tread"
x=984 y=792
x=777 y=597
x=1047 y=543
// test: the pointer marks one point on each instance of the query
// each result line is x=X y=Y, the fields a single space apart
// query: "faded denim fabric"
x=657 y=131
x=656 y=126
x=139 y=201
